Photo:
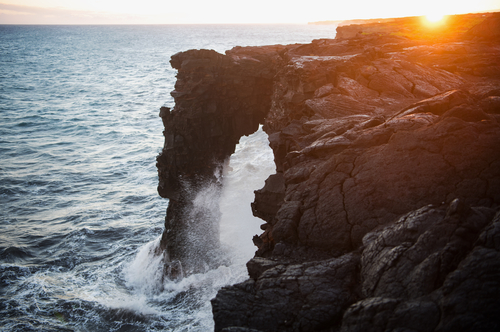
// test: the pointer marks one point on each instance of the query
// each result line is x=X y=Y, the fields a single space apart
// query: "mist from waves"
x=247 y=170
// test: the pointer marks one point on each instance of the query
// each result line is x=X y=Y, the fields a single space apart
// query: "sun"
x=434 y=17
x=434 y=20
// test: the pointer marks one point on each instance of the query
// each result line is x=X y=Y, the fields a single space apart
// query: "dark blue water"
x=79 y=212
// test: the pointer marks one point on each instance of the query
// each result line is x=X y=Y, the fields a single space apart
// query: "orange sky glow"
x=224 y=11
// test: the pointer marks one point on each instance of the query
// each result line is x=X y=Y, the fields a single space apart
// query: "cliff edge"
x=383 y=214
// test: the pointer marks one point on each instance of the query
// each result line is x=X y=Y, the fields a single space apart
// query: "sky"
x=224 y=11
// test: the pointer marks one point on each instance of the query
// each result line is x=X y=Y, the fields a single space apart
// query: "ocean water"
x=79 y=211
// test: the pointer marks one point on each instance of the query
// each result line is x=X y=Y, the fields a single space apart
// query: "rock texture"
x=383 y=213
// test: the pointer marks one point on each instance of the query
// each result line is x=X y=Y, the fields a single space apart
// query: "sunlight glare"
x=434 y=17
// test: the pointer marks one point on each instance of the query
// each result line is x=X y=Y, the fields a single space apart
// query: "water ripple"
x=79 y=133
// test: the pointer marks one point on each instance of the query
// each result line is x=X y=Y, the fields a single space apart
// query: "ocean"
x=79 y=211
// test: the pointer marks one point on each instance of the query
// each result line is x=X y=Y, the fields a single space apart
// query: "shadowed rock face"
x=358 y=141
x=383 y=211
x=218 y=99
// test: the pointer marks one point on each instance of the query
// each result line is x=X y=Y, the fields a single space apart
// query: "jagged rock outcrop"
x=218 y=99
x=270 y=303
x=425 y=272
x=356 y=184
x=371 y=149
x=383 y=212
x=428 y=272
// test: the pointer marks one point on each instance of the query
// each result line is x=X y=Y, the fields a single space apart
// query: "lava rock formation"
x=383 y=214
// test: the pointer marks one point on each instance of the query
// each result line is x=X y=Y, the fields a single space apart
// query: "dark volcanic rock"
x=350 y=182
x=218 y=99
x=428 y=272
x=386 y=314
x=297 y=297
x=383 y=214
x=412 y=258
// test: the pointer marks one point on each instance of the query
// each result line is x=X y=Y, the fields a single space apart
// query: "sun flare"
x=434 y=20
x=434 y=17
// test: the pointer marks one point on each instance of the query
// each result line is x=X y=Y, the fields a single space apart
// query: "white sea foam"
x=145 y=272
x=247 y=170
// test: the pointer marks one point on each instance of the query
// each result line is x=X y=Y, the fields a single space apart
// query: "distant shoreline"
x=382 y=20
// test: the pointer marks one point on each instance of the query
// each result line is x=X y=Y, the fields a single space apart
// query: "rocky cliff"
x=218 y=99
x=383 y=214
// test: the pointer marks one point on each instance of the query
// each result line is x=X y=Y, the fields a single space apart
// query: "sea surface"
x=79 y=211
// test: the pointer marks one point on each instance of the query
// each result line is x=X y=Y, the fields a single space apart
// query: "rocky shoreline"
x=383 y=214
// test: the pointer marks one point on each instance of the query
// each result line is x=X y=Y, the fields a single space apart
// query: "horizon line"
x=245 y=23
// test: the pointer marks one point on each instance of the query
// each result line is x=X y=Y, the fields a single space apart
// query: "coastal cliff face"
x=383 y=214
